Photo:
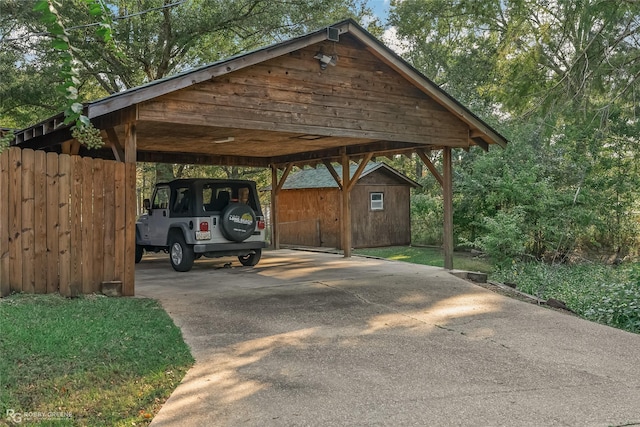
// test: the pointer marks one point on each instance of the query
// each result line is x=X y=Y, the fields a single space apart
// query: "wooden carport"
x=334 y=95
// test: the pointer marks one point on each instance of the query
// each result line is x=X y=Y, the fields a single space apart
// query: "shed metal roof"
x=320 y=177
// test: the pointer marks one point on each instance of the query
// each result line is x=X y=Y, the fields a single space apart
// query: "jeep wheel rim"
x=176 y=253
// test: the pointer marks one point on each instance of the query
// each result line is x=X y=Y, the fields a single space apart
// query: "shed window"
x=377 y=201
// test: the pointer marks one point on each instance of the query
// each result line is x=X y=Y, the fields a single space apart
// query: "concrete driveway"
x=313 y=339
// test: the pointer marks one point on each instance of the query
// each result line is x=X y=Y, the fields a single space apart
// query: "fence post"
x=28 y=209
x=5 y=286
x=75 y=283
x=15 y=219
x=65 y=175
x=40 y=226
x=53 y=226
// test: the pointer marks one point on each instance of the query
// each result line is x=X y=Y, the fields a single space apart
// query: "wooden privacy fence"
x=67 y=223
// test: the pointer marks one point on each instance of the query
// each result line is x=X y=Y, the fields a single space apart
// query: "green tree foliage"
x=27 y=76
x=561 y=80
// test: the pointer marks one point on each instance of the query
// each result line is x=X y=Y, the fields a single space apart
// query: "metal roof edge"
x=369 y=168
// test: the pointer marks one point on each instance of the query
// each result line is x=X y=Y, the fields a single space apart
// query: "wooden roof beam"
x=44 y=141
x=116 y=118
x=477 y=137
x=429 y=164
x=201 y=159
x=356 y=175
x=284 y=176
x=378 y=147
x=41 y=129
x=333 y=172
x=481 y=143
x=71 y=147
x=114 y=143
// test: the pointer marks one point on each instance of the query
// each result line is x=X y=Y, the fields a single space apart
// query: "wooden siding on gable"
x=361 y=97
x=379 y=177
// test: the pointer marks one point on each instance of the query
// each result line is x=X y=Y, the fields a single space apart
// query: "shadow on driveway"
x=315 y=339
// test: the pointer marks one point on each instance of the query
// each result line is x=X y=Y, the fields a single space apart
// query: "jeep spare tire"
x=238 y=222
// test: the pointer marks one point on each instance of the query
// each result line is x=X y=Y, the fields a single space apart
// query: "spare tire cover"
x=238 y=222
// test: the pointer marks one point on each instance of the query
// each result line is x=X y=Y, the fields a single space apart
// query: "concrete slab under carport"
x=315 y=339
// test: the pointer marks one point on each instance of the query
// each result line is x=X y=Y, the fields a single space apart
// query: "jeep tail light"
x=204 y=226
x=261 y=224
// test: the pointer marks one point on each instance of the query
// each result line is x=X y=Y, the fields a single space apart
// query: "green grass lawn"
x=428 y=256
x=90 y=361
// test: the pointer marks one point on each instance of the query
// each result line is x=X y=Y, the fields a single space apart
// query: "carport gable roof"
x=229 y=65
x=116 y=110
x=320 y=177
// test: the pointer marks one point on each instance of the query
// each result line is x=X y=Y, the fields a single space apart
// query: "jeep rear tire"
x=251 y=259
x=139 y=253
x=180 y=253
x=238 y=222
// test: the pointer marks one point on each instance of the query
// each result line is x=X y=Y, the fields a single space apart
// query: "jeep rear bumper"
x=228 y=247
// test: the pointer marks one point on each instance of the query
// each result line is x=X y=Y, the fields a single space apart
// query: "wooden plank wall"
x=306 y=232
x=388 y=227
x=63 y=223
x=310 y=217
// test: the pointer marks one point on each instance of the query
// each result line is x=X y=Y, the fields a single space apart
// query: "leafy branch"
x=82 y=129
x=5 y=140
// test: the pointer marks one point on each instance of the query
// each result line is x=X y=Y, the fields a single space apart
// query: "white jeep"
x=190 y=218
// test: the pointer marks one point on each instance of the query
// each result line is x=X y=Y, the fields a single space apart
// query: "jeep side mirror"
x=147 y=204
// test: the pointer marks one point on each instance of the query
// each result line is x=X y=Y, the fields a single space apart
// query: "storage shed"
x=309 y=208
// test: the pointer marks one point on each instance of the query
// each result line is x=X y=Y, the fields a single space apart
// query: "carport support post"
x=346 y=186
x=130 y=157
x=346 y=205
x=275 y=237
x=447 y=198
x=276 y=186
